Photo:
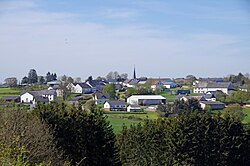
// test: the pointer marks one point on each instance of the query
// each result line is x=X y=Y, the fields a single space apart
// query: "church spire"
x=134 y=73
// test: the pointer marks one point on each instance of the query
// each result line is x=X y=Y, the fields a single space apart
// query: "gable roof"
x=116 y=102
x=213 y=85
x=41 y=93
x=83 y=85
x=148 y=97
x=9 y=98
x=41 y=99
x=212 y=102
x=100 y=95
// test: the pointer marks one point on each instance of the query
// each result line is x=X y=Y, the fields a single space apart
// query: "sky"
x=161 y=38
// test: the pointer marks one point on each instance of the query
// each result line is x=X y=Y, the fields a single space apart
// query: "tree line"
x=59 y=134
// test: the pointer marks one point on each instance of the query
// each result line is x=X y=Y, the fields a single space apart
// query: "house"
x=183 y=92
x=100 y=98
x=155 y=84
x=209 y=97
x=43 y=96
x=244 y=88
x=82 y=88
x=146 y=99
x=15 y=99
x=213 y=105
x=115 y=105
x=186 y=98
x=131 y=83
x=170 y=84
x=204 y=87
x=96 y=85
x=133 y=108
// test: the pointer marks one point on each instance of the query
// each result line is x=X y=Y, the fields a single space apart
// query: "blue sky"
x=162 y=38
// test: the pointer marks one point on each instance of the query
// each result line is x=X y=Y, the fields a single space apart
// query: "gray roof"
x=100 y=95
x=213 y=85
x=41 y=99
x=212 y=102
x=116 y=102
x=7 y=98
x=41 y=93
x=84 y=85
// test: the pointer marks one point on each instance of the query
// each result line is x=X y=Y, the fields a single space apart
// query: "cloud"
x=7 y=5
x=60 y=42
x=119 y=13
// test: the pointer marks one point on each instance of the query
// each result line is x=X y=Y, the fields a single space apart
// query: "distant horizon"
x=130 y=76
x=161 y=37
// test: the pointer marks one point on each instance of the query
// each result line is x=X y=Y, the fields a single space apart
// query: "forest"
x=58 y=134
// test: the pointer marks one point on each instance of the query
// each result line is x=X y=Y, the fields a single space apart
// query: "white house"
x=204 y=87
x=146 y=99
x=133 y=108
x=43 y=96
x=115 y=105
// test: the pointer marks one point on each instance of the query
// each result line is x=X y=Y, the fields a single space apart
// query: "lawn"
x=246 y=111
x=9 y=92
x=118 y=120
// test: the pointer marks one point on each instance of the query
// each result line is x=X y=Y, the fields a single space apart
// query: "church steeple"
x=134 y=73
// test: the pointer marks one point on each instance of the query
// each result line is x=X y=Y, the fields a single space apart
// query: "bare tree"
x=11 y=81
x=20 y=130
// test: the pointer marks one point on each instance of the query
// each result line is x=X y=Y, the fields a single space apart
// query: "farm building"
x=146 y=99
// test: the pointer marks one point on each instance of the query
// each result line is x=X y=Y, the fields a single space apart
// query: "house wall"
x=213 y=106
x=149 y=101
x=205 y=90
x=106 y=107
x=78 y=89
x=133 y=109
x=26 y=98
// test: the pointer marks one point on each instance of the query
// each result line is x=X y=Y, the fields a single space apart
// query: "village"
x=132 y=95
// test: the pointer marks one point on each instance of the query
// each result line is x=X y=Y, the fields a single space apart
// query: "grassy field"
x=9 y=92
x=118 y=120
x=246 y=111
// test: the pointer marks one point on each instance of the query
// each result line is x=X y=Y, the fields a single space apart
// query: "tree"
x=85 y=137
x=110 y=89
x=41 y=80
x=32 y=76
x=24 y=135
x=124 y=76
x=25 y=80
x=234 y=111
x=51 y=77
x=11 y=81
x=78 y=79
x=70 y=80
x=110 y=76
x=90 y=78
x=238 y=97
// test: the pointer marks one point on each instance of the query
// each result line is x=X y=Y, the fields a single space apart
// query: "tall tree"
x=41 y=80
x=25 y=80
x=32 y=76
x=110 y=89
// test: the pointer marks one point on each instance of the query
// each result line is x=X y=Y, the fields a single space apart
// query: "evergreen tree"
x=32 y=76
x=85 y=137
